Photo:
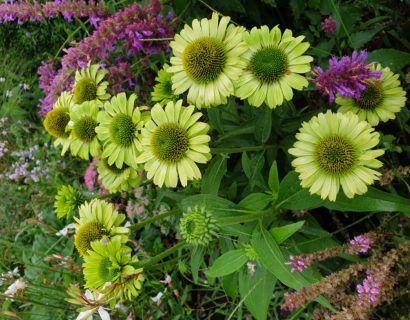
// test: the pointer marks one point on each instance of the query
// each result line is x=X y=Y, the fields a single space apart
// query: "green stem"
x=159 y=257
x=156 y=218
x=241 y=149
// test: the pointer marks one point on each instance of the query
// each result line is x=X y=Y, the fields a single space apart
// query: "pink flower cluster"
x=23 y=11
x=297 y=263
x=369 y=291
x=329 y=25
x=124 y=35
x=346 y=77
x=360 y=244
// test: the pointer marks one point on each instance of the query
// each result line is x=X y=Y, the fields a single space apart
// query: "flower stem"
x=162 y=255
x=156 y=218
x=241 y=149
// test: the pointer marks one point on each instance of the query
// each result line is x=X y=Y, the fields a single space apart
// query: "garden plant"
x=204 y=159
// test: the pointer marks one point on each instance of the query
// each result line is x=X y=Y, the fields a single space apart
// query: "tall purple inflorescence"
x=129 y=32
x=346 y=77
x=23 y=11
x=329 y=25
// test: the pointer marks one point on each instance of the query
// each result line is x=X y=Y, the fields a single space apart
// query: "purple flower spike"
x=297 y=263
x=346 y=77
x=360 y=244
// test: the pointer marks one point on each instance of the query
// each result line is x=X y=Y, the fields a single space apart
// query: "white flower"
x=2 y=79
x=66 y=230
x=88 y=314
x=158 y=297
x=167 y=281
x=18 y=285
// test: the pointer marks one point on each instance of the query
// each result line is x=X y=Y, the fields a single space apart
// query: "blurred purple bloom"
x=360 y=244
x=346 y=77
x=329 y=25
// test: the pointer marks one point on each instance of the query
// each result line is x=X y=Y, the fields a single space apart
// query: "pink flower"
x=360 y=244
x=297 y=263
x=90 y=176
x=329 y=25
x=368 y=291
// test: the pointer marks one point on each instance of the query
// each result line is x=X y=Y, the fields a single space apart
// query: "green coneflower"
x=111 y=262
x=57 y=119
x=381 y=100
x=117 y=179
x=333 y=150
x=274 y=61
x=119 y=129
x=89 y=84
x=251 y=253
x=197 y=226
x=67 y=200
x=97 y=220
x=207 y=60
x=173 y=141
x=83 y=138
x=163 y=92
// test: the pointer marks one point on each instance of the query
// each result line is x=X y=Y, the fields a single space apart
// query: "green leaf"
x=271 y=3
x=213 y=175
x=256 y=291
x=274 y=178
x=293 y=197
x=210 y=201
x=197 y=258
x=227 y=263
x=362 y=37
x=394 y=59
x=280 y=234
x=256 y=201
x=215 y=119
x=273 y=260
x=246 y=164
x=263 y=125
x=230 y=284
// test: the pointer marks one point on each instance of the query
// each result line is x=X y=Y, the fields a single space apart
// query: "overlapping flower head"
x=207 y=61
x=89 y=84
x=57 y=120
x=119 y=129
x=83 y=138
x=111 y=262
x=346 y=77
x=114 y=179
x=162 y=92
x=380 y=101
x=173 y=142
x=97 y=220
x=274 y=63
x=333 y=150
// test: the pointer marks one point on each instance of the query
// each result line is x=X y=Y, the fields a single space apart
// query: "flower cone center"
x=204 y=59
x=269 y=64
x=85 y=90
x=84 y=129
x=88 y=233
x=56 y=121
x=335 y=155
x=122 y=130
x=169 y=142
x=371 y=97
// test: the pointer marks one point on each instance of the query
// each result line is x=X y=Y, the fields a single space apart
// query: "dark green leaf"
x=263 y=125
x=197 y=258
x=274 y=178
x=362 y=37
x=230 y=285
x=256 y=201
x=256 y=291
x=213 y=175
x=227 y=263
x=394 y=59
x=280 y=234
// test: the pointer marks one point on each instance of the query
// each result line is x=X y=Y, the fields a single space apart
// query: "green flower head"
x=163 y=92
x=66 y=201
x=198 y=226
x=111 y=262
x=98 y=219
